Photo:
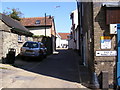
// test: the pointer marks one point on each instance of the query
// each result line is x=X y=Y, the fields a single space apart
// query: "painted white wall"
x=41 y=31
x=60 y=42
x=63 y=41
x=74 y=42
x=75 y=19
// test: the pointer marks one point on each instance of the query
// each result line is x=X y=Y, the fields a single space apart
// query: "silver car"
x=33 y=49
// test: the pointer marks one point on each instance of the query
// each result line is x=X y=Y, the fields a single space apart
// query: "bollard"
x=103 y=80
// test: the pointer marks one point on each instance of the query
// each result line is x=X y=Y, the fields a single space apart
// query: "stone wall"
x=10 y=40
x=102 y=63
x=1 y=44
x=93 y=26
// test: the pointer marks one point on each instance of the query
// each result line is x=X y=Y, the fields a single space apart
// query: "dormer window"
x=37 y=22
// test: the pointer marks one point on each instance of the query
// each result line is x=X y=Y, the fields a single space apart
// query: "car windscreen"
x=31 y=45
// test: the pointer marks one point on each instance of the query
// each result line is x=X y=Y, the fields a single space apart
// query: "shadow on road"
x=62 y=66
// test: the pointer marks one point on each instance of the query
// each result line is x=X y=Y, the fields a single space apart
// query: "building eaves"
x=58 y=35
x=111 y=4
x=64 y=36
x=31 y=21
x=15 y=25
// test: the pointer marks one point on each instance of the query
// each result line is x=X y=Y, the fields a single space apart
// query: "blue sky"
x=38 y=9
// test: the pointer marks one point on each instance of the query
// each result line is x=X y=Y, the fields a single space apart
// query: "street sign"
x=105 y=42
x=113 y=28
x=106 y=53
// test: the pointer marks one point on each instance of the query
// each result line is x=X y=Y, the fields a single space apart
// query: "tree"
x=14 y=13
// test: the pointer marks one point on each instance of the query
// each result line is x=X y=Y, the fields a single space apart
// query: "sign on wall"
x=113 y=28
x=105 y=42
x=106 y=53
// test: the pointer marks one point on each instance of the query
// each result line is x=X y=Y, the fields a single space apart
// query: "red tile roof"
x=64 y=35
x=31 y=21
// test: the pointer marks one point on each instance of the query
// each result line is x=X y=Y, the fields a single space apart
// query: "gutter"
x=114 y=4
x=22 y=31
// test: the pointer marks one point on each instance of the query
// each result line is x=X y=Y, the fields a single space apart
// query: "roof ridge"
x=33 y=17
x=65 y=33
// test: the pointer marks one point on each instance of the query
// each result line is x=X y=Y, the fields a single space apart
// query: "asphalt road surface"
x=60 y=70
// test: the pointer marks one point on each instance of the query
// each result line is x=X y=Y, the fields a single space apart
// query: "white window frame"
x=19 y=38
x=26 y=38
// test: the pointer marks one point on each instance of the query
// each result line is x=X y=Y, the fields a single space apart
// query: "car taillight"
x=20 y=49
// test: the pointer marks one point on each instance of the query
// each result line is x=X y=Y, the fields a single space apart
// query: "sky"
x=60 y=10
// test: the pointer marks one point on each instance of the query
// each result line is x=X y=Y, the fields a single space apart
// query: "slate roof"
x=64 y=35
x=15 y=25
x=32 y=21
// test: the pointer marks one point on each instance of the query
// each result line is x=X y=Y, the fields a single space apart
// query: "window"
x=31 y=45
x=37 y=22
x=19 y=38
x=112 y=15
x=26 y=38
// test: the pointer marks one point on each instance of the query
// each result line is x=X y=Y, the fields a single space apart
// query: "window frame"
x=37 y=22
x=19 y=39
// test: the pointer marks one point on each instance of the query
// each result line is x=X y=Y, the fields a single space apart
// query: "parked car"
x=33 y=49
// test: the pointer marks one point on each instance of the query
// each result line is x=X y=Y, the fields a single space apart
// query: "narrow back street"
x=56 y=71
x=60 y=44
x=63 y=66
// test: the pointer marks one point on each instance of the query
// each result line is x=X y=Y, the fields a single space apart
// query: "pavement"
x=60 y=70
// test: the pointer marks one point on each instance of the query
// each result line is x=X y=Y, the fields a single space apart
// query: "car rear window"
x=31 y=45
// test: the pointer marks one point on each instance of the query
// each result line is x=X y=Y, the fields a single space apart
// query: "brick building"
x=95 y=37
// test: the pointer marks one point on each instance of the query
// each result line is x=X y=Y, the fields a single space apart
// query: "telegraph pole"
x=45 y=24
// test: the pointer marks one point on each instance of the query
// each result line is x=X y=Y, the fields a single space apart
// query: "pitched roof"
x=111 y=4
x=15 y=25
x=64 y=35
x=57 y=35
x=32 y=21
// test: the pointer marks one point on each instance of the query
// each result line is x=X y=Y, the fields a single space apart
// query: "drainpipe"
x=78 y=25
x=45 y=24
